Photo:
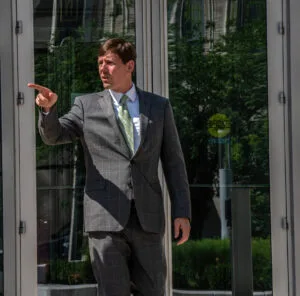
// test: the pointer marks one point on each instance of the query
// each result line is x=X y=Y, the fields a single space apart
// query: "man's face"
x=115 y=75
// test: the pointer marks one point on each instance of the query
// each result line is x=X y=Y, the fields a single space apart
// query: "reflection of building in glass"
x=211 y=19
x=202 y=19
x=55 y=20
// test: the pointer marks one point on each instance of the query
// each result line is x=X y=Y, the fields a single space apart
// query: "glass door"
x=66 y=39
x=219 y=91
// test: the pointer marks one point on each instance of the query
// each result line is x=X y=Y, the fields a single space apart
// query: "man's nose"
x=103 y=67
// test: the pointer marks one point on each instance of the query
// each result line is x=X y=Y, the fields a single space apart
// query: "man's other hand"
x=184 y=225
x=45 y=98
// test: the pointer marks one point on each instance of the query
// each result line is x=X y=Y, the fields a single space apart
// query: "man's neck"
x=124 y=89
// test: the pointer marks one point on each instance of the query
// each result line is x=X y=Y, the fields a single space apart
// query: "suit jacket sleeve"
x=66 y=129
x=174 y=167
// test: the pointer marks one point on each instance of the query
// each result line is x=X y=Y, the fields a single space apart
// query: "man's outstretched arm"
x=54 y=130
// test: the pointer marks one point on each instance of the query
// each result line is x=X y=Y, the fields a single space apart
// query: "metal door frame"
x=10 y=162
x=291 y=24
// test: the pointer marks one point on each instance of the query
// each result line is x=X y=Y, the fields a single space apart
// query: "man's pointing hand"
x=45 y=98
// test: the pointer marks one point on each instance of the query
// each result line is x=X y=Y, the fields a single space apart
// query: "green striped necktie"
x=126 y=122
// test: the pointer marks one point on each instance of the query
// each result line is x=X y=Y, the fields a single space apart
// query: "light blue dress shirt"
x=134 y=111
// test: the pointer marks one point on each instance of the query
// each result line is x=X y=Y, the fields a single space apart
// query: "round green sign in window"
x=219 y=125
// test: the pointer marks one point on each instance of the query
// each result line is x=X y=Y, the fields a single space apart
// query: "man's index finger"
x=40 y=88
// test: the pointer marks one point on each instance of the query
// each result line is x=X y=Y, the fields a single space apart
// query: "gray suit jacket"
x=113 y=176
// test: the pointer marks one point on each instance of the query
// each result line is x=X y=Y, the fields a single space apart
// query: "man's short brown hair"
x=124 y=49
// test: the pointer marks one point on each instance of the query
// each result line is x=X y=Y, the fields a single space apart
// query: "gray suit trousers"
x=128 y=261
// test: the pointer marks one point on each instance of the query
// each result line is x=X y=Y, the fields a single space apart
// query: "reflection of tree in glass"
x=231 y=79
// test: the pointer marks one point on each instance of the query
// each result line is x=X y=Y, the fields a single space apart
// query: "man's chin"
x=106 y=85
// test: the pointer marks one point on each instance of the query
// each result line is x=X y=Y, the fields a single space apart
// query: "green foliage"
x=197 y=265
x=206 y=265
x=262 y=265
x=201 y=265
x=71 y=273
x=260 y=213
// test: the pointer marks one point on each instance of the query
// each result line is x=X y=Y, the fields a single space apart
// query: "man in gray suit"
x=124 y=132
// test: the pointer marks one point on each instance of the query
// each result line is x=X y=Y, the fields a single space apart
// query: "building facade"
x=229 y=68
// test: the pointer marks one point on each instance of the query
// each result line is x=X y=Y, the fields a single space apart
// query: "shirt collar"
x=131 y=94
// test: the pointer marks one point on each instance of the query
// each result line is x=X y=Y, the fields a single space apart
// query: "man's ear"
x=130 y=66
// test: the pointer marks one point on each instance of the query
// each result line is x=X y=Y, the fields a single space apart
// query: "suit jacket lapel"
x=106 y=105
x=144 y=116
